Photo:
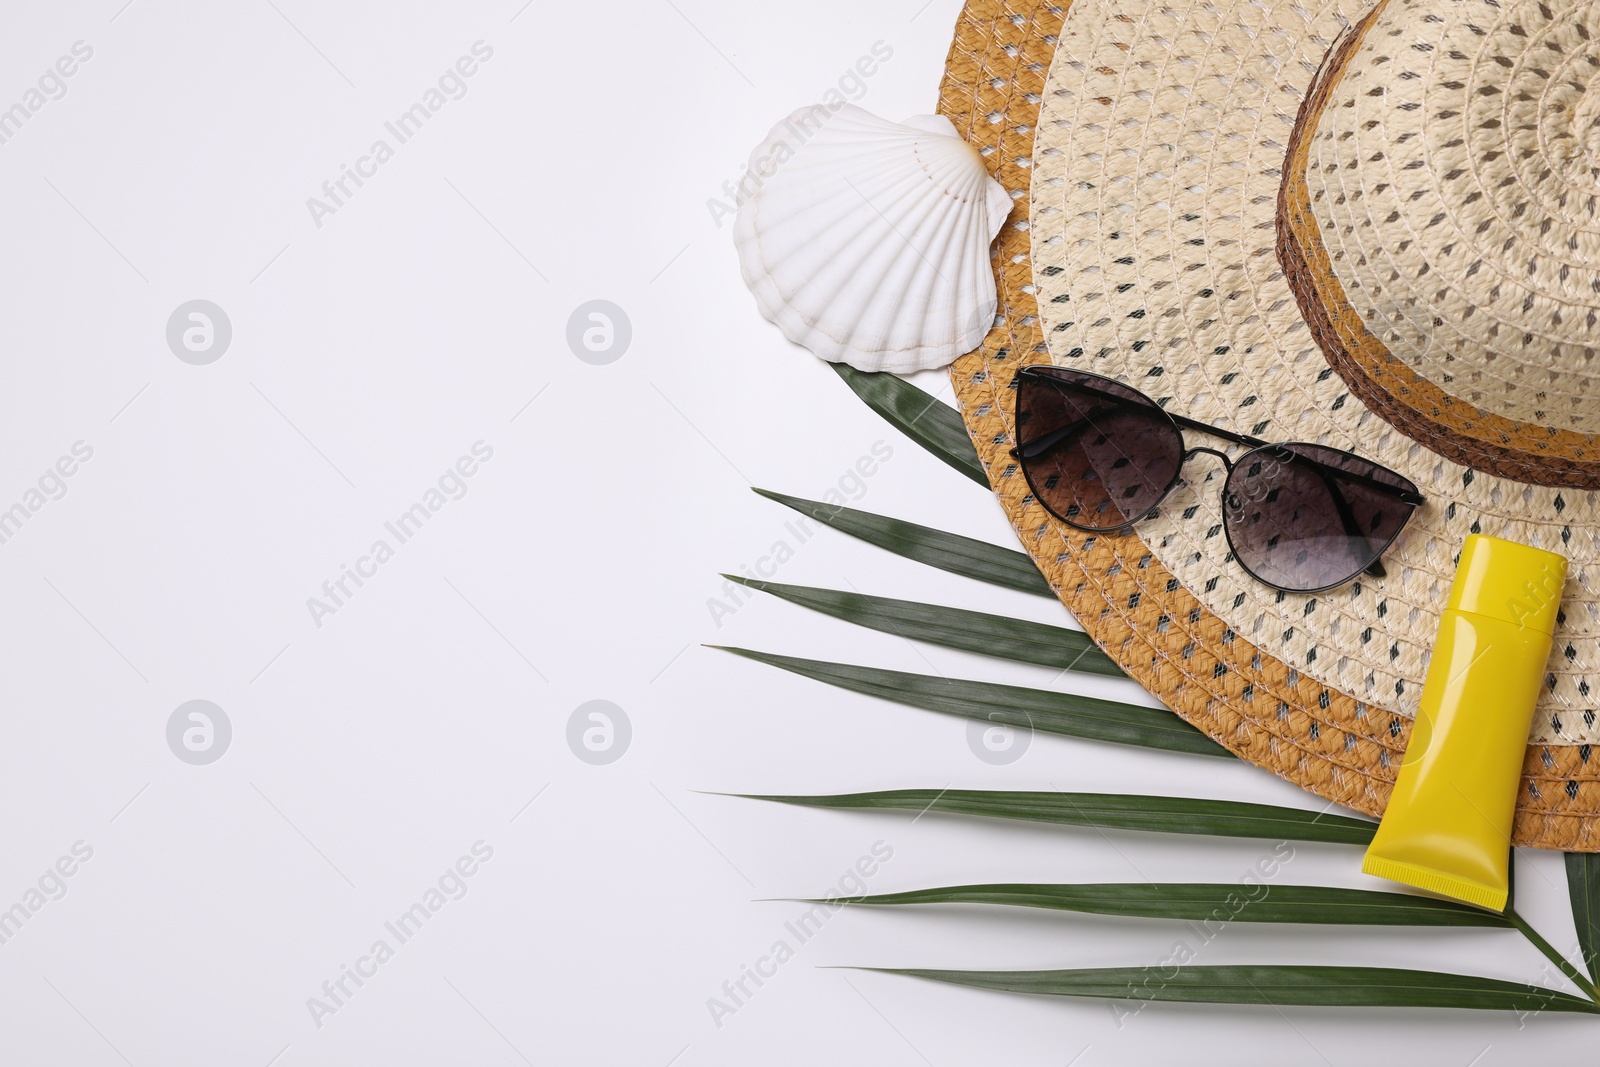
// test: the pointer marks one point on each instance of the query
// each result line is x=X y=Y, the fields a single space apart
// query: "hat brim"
x=1257 y=706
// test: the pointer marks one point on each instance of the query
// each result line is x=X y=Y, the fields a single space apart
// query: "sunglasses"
x=1299 y=517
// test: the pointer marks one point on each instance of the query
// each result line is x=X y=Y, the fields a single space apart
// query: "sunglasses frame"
x=1044 y=372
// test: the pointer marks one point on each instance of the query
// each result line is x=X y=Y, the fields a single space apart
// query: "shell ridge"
x=870 y=243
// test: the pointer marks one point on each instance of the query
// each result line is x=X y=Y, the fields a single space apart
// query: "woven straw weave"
x=1262 y=708
x=1466 y=232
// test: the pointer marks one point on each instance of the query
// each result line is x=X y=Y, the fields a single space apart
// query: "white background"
x=372 y=751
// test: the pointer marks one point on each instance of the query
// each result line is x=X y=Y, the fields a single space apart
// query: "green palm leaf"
x=1583 y=887
x=934 y=425
x=970 y=631
x=1110 y=811
x=965 y=556
x=1222 y=902
x=939 y=429
x=1381 y=987
x=1008 y=705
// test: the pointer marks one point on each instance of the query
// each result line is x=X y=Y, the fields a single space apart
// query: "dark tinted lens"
x=1096 y=453
x=1307 y=526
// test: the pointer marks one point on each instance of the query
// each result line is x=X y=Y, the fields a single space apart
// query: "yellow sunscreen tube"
x=1448 y=825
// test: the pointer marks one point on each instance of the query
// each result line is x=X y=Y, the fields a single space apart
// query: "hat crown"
x=1454 y=174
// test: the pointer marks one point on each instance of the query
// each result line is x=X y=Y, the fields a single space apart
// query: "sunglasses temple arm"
x=1346 y=516
x=1217 y=431
x=1406 y=495
x=1035 y=449
x=1352 y=528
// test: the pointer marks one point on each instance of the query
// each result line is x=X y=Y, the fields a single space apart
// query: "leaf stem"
x=1549 y=950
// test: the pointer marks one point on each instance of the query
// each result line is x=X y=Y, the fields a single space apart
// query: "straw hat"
x=1367 y=225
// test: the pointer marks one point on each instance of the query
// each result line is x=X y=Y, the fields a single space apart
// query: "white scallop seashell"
x=867 y=241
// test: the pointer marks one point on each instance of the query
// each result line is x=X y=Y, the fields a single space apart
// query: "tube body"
x=1447 y=828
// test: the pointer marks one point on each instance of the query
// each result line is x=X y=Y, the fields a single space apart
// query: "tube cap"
x=1513 y=582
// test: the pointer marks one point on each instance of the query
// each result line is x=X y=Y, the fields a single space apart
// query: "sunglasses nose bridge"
x=1195 y=451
